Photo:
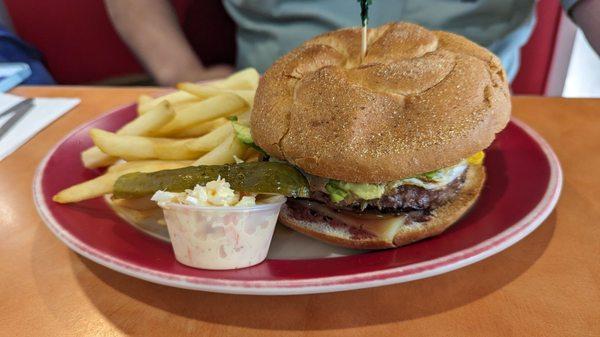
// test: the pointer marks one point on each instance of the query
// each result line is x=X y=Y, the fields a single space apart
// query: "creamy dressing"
x=215 y=193
x=442 y=178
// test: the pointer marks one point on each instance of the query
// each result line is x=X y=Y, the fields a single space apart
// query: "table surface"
x=546 y=285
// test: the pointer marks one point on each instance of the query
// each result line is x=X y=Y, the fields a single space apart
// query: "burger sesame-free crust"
x=419 y=101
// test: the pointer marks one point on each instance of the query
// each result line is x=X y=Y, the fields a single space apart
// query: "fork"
x=19 y=111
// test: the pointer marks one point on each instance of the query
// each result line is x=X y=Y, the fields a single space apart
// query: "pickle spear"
x=254 y=177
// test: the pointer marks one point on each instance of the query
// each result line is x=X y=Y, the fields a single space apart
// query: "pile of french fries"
x=183 y=128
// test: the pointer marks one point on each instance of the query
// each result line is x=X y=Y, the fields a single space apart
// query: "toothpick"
x=363 y=49
x=364 y=19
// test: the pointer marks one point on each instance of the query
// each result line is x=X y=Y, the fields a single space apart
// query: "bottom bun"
x=441 y=218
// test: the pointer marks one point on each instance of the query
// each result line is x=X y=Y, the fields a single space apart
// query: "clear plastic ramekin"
x=218 y=238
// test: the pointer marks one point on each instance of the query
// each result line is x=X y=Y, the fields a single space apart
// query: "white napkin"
x=43 y=112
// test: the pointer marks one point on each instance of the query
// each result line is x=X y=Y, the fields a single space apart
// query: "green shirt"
x=267 y=29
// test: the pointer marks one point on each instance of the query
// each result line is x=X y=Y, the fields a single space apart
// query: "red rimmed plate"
x=523 y=185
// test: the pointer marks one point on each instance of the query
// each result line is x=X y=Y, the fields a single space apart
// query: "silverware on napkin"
x=19 y=111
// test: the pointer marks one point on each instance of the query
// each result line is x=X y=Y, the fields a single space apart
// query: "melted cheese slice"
x=385 y=229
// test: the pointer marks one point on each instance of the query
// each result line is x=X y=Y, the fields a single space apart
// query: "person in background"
x=14 y=49
x=267 y=30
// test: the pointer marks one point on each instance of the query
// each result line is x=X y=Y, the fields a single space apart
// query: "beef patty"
x=404 y=198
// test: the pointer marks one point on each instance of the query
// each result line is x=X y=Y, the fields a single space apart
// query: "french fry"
x=224 y=153
x=200 y=129
x=183 y=105
x=88 y=189
x=94 y=157
x=243 y=79
x=140 y=148
x=211 y=140
x=244 y=118
x=173 y=98
x=246 y=95
x=104 y=183
x=144 y=99
x=151 y=121
x=136 y=216
x=205 y=91
x=143 y=125
x=218 y=106
x=120 y=165
x=202 y=91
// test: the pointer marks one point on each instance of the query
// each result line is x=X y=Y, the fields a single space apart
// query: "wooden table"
x=546 y=285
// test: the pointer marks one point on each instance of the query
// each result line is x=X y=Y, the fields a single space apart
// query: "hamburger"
x=391 y=143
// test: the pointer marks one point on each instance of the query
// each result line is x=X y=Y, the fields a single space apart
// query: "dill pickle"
x=254 y=177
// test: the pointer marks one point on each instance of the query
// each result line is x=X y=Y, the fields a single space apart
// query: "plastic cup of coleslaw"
x=222 y=237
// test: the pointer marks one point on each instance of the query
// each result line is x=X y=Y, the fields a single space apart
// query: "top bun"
x=419 y=101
